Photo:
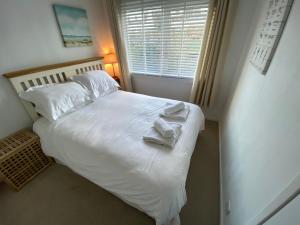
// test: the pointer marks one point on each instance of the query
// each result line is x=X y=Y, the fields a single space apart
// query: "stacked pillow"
x=98 y=82
x=53 y=101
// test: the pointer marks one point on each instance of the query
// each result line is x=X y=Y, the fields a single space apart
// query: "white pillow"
x=98 y=82
x=53 y=101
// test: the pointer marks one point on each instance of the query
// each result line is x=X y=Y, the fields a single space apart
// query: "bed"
x=102 y=142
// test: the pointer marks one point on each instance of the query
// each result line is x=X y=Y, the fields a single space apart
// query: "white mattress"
x=103 y=142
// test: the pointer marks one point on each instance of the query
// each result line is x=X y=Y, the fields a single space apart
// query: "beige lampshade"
x=110 y=58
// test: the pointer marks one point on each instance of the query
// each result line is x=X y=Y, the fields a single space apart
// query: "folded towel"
x=155 y=137
x=174 y=108
x=181 y=115
x=164 y=128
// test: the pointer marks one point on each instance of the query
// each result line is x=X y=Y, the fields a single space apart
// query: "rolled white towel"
x=164 y=128
x=174 y=108
x=152 y=136
x=180 y=115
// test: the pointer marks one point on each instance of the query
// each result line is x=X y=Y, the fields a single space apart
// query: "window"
x=163 y=37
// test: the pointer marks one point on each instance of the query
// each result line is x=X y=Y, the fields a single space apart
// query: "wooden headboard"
x=56 y=73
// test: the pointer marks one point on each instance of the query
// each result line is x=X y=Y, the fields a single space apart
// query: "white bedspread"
x=103 y=142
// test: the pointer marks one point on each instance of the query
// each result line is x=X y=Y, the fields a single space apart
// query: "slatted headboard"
x=57 y=73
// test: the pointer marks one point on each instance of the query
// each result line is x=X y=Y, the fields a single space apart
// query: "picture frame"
x=270 y=32
x=73 y=25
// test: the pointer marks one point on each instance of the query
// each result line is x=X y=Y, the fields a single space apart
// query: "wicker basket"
x=21 y=158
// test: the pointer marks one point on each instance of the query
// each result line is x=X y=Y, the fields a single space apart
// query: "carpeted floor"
x=60 y=197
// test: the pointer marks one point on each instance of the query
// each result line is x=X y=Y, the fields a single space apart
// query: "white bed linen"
x=103 y=142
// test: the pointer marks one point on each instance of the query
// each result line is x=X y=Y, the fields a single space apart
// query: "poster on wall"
x=73 y=24
x=270 y=32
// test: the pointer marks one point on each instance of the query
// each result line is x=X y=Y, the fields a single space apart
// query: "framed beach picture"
x=73 y=24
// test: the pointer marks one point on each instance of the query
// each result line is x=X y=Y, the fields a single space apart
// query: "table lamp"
x=111 y=58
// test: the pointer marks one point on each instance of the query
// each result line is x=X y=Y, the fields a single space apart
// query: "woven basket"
x=21 y=158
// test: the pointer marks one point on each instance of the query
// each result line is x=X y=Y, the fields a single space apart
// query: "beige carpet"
x=60 y=197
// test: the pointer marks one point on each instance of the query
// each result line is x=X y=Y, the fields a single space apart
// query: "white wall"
x=30 y=37
x=261 y=127
x=165 y=87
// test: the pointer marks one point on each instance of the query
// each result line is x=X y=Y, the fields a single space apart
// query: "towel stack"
x=163 y=133
x=166 y=133
x=178 y=111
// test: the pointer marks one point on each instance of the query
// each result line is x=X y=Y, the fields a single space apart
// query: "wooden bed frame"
x=56 y=73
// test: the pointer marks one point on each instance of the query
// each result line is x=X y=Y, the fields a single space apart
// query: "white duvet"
x=103 y=142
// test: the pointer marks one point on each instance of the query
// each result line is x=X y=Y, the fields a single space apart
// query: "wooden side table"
x=21 y=158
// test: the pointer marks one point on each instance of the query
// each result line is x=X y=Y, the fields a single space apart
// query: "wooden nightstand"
x=21 y=158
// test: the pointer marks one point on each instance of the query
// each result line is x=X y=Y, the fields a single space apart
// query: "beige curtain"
x=206 y=72
x=113 y=11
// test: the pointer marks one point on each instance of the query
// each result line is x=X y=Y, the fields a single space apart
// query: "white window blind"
x=164 y=37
